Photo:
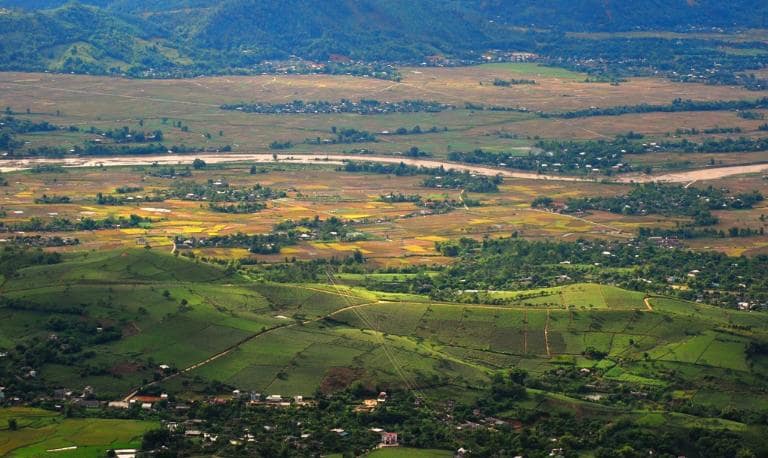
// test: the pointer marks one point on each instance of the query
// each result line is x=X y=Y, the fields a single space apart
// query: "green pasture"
x=40 y=431
x=532 y=70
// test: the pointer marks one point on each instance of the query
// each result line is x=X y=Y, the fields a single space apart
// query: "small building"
x=382 y=397
x=389 y=439
x=367 y=406
x=88 y=403
x=118 y=405
x=62 y=394
x=744 y=306
x=340 y=432
x=149 y=399
x=126 y=453
x=274 y=398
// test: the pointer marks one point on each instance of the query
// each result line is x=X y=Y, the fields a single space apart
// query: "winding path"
x=13 y=165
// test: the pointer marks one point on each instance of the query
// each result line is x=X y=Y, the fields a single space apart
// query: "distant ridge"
x=109 y=36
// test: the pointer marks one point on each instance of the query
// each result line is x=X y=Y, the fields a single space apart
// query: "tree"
x=518 y=376
x=198 y=164
x=542 y=202
x=13 y=424
x=155 y=438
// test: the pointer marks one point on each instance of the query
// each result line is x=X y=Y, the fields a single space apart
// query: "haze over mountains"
x=98 y=36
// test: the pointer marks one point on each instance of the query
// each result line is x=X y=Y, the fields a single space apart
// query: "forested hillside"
x=204 y=36
x=558 y=14
x=76 y=38
x=608 y=15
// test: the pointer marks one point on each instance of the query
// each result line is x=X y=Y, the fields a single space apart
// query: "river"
x=12 y=165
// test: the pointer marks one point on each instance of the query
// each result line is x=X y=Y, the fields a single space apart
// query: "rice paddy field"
x=45 y=433
x=391 y=237
x=393 y=234
x=112 y=103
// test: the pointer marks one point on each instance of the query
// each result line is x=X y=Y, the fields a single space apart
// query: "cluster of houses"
x=148 y=402
x=489 y=422
x=362 y=107
x=194 y=428
x=86 y=398
x=490 y=56
x=275 y=400
x=667 y=242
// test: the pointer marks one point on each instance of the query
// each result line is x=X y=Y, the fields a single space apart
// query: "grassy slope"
x=126 y=290
x=431 y=345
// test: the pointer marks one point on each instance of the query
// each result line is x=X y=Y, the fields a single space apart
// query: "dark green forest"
x=150 y=38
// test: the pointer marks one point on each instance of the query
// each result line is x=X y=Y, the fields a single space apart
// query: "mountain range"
x=102 y=36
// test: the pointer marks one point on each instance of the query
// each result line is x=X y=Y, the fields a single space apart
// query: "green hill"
x=110 y=320
x=118 y=315
x=80 y=39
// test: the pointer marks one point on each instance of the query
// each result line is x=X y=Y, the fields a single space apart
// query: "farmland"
x=85 y=102
x=246 y=256
x=108 y=103
x=396 y=232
